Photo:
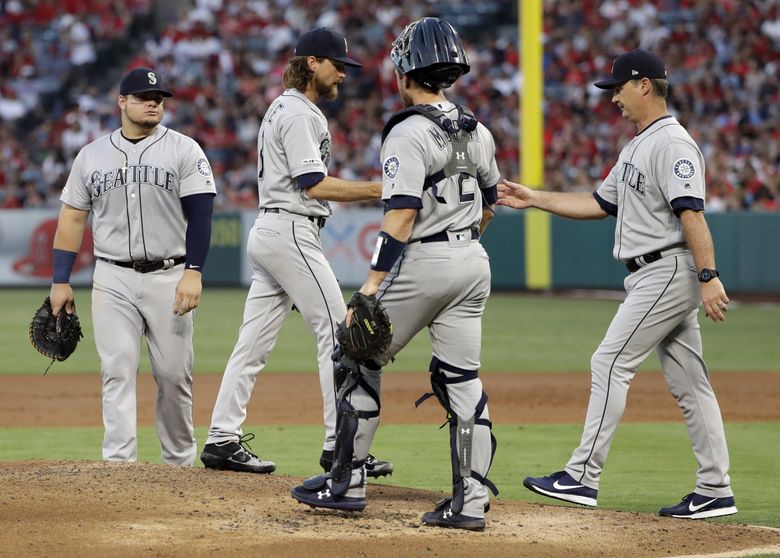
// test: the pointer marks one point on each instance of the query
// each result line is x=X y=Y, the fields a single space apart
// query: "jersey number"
x=467 y=187
x=260 y=163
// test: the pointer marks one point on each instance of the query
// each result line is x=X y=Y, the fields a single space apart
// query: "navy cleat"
x=316 y=493
x=443 y=516
x=235 y=456
x=562 y=486
x=696 y=506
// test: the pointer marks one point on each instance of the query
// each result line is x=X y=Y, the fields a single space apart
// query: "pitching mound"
x=140 y=509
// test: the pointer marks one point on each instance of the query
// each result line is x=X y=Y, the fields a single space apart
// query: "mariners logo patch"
x=325 y=151
x=391 y=165
x=684 y=169
x=203 y=167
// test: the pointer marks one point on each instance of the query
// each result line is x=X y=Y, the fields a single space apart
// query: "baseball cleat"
x=235 y=456
x=696 y=506
x=443 y=516
x=316 y=493
x=562 y=486
x=374 y=467
x=377 y=468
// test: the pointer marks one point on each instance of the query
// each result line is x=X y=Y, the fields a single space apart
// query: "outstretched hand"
x=511 y=194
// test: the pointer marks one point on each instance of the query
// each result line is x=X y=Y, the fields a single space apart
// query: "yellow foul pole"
x=538 y=272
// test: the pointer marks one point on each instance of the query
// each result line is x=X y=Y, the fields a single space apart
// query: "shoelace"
x=243 y=442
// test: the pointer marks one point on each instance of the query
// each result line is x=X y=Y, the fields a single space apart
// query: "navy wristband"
x=63 y=265
x=387 y=250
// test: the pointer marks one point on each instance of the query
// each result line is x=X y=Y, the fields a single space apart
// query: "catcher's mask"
x=431 y=52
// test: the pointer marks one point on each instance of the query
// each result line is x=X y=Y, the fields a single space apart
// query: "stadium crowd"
x=224 y=61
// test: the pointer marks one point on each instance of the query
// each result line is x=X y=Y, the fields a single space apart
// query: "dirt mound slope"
x=140 y=509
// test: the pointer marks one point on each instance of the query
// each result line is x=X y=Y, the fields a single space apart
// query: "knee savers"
x=462 y=429
x=348 y=377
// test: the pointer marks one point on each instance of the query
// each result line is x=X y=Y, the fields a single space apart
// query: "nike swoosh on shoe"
x=694 y=509
x=559 y=486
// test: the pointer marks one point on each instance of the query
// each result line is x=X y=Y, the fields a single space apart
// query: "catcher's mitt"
x=370 y=333
x=53 y=337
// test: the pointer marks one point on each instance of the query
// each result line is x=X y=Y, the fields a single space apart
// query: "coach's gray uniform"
x=288 y=264
x=659 y=165
x=134 y=191
x=442 y=279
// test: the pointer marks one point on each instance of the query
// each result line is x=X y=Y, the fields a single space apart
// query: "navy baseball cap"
x=142 y=80
x=325 y=43
x=636 y=64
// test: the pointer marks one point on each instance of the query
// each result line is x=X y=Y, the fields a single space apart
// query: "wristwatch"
x=707 y=275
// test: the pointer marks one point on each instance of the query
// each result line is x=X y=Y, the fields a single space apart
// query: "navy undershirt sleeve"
x=403 y=202
x=309 y=179
x=687 y=202
x=197 y=209
x=489 y=196
x=609 y=208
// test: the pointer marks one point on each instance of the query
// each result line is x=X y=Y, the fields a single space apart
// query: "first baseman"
x=428 y=270
x=150 y=191
x=288 y=264
x=656 y=192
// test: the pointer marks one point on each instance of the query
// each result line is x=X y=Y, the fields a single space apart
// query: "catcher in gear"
x=428 y=270
x=55 y=336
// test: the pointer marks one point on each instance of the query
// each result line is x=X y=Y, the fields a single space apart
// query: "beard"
x=325 y=91
x=147 y=123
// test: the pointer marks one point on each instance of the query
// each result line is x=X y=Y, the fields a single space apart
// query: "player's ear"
x=311 y=61
x=121 y=101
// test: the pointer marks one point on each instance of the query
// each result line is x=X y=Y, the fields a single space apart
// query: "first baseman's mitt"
x=53 y=337
x=370 y=333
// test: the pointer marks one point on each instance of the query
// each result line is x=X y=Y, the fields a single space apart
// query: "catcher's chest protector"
x=459 y=135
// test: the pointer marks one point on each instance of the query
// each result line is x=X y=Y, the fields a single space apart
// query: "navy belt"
x=319 y=221
x=443 y=236
x=635 y=264
x=147 y=266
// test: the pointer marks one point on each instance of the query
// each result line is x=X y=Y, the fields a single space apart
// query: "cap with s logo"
x=325 y=43
x=142 y=80
x=636 y=64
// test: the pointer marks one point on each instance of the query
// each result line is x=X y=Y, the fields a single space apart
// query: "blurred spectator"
x=224 y=60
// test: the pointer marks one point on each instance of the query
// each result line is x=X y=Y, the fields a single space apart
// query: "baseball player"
x=288 y=264
x=150 y=191
x=428 y=270
x=656 y=192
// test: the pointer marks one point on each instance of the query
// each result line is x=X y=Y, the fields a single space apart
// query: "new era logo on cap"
x=636 y=64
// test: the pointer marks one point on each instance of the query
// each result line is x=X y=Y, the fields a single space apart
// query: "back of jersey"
x=445 y=172
x=293 y=141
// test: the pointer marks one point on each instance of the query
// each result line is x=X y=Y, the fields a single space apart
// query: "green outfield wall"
x=747 y=250
x=527 y=250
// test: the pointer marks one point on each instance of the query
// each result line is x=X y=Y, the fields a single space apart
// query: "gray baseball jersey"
x=288 y=264
x=661 y=168
x=442 y=279
x=658 y=166
x=293 y=140
x=134 y=191
x=417 y=148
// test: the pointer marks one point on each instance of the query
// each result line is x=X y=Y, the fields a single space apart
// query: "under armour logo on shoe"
x=323 y=494
x=465 y=430
x=446 y=514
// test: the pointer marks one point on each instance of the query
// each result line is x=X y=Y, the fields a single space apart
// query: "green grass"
x=521 y=333
x=650 y=465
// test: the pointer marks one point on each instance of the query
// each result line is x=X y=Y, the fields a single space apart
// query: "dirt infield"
x=74 y=400
x=100 y=509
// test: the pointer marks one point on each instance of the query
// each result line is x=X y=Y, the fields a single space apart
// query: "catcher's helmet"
x=430 y=51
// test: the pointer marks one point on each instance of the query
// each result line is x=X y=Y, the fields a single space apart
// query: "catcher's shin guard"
x=357 y=394
x=464 y=432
